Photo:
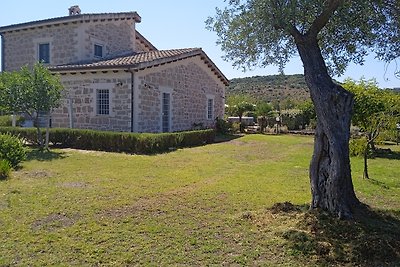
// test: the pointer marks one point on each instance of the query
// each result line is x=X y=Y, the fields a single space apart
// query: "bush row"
x=140 y=143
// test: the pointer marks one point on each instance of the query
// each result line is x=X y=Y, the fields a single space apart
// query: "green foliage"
x=12 y=149
x=223 y=126
x=6 y=121
x=33 y=91
x=271 y=88
x=264 y=109
x=357 y=147
x=5 y=169
x=374 y=109
x=308 y=112
x=260 y=32
x=238 y=105
x=292 y=118
x=116 y=141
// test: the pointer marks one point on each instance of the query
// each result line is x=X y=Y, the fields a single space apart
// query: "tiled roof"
x=74 y=19
x=143 y=60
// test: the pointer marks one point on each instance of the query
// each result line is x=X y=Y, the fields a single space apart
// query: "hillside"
x=271 y=88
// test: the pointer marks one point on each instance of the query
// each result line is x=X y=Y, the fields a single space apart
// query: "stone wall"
x=118 y=38
x=189 y=82
x=81 y=90
x=69 y=43
x=21 y=47
x=189 y=85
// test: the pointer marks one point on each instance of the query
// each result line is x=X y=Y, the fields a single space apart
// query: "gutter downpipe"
x=2 y=53
x=132 y=98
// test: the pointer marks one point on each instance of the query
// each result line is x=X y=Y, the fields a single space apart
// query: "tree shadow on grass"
x=371 y=239
x=378 y=183
x=226 y=137
x=36 y=154
x=387 y=154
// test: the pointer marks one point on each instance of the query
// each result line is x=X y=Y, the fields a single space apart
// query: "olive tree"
x=327 y=35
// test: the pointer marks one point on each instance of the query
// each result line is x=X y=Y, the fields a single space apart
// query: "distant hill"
x=271 y=88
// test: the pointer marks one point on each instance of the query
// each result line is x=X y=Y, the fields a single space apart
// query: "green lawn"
x=207 y=205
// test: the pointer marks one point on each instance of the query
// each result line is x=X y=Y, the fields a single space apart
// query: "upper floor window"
x=98 y=50
x=103 y=101
x=44 y=53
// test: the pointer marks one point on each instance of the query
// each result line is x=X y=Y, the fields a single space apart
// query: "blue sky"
x=177 y=24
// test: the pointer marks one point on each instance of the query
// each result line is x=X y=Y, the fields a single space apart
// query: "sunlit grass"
x=197 y=206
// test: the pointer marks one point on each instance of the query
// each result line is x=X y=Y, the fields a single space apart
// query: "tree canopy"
x=263 y=32
x=33 y=91
x=375 y=110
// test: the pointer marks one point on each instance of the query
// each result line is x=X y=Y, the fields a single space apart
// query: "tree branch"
x=324 y=17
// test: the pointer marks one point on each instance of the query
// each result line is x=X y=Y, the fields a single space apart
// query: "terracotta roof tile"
x=133 y=60
x=143 y=60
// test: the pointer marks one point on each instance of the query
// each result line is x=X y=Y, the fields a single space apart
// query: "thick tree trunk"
x=330 y=174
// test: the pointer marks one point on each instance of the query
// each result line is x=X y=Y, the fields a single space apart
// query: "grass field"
x=211 y=205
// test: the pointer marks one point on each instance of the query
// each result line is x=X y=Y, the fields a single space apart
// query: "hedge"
x=138 y=143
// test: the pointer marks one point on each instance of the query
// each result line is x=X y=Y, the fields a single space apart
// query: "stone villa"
x=114 y=78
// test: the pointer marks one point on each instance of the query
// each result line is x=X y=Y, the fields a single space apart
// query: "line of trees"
x=295 y=114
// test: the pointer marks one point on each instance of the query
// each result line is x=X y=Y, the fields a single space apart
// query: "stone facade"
x=21 y=47
x=118 y=38
x=189 y=85
x=69 y=42
x=79 y=110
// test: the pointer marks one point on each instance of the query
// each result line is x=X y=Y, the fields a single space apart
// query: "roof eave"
x=72 y=19
x=145 y=65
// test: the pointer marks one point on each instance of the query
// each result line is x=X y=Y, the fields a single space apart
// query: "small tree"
x=307 y=112
x=374 y=111
x=264 y=110
x=238 y=105
x=34 y=91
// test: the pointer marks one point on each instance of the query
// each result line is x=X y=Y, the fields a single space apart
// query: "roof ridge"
x=70 y=18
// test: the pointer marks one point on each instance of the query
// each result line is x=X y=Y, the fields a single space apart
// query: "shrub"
x=5 y=169
x=145 y=143
x=235 y=128
x=223 y=126
x=357 y=147
x=12 y=149
x=6 y=121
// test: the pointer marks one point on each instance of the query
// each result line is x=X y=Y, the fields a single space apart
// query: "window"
x=166 y=112
x=44 y=53
x=98 y=50
x=103 y=102
x=210 y=108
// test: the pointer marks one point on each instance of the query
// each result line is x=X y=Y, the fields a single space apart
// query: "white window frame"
x=210 y=116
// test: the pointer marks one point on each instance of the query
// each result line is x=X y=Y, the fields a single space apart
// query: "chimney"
x=74 y=10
